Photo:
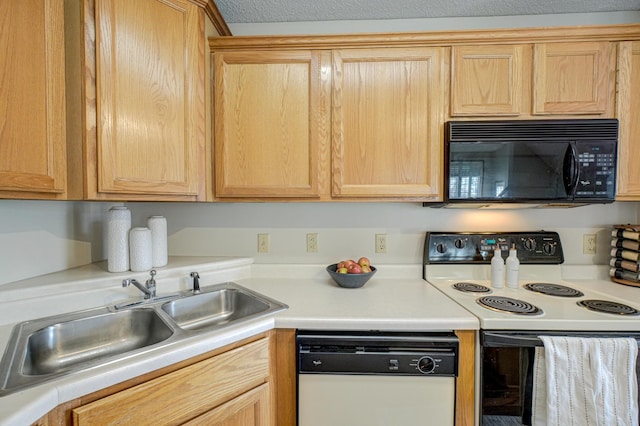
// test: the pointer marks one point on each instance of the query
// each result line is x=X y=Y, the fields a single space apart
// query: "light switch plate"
x=312 y=243
x=263 y=243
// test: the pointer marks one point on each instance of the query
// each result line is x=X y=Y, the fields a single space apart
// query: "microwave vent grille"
x=586 y=129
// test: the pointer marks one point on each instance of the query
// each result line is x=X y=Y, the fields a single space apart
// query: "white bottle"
x=497 y=269
x=513 y=267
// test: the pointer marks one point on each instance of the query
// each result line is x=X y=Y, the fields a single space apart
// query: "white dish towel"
x=585 y=382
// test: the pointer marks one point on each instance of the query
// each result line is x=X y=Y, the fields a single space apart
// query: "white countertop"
x=395 y=299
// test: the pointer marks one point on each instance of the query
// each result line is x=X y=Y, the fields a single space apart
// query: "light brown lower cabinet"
x=184 y=395
x=232 y=386
x=250 y=408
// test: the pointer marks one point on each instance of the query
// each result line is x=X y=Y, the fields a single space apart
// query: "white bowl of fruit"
x=351 y=274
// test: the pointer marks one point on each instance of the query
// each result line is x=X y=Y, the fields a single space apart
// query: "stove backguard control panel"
x=477 y=247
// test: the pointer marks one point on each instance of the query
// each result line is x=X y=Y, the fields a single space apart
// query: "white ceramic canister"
x=140 y=251
x=118 y=226
x=158 y=227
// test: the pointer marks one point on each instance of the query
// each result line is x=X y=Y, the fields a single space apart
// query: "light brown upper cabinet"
x=532 y=80
x=387 y=110
x=574 y=78
x=33 y=162
x=144 y=100
x=628 y=113
x=271 y=123
x=490 y=80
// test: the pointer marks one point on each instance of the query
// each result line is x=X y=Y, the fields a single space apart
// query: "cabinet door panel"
x=150 y=96
x=573 y=78
x=628 y=111
x=32 y=99
x=248 y=409
x=270 y=123
x=184 y=394
x=490 y=80
x=387 y=109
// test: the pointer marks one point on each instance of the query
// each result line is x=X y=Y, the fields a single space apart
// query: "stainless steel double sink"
x=47 y=348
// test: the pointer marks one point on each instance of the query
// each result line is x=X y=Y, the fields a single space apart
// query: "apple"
x=366 y=269
x=342 y=270
x=348 y=263
x=354 y=269
x=363 y=261
x=340 y=265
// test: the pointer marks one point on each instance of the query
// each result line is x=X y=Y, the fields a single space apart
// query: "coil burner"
x=507 y=304
x=554 y=290
x=608 y=307
x=471 y=288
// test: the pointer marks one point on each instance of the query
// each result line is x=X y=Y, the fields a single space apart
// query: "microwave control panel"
x=469 y=247
x=597 y=170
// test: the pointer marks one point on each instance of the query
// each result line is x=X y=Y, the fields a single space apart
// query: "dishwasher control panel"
x=417 y=354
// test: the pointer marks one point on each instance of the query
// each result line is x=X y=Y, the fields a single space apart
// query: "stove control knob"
x=549 y=248
x=441 y=248
x=426 y=365
x=529 y=244
x=460 y=243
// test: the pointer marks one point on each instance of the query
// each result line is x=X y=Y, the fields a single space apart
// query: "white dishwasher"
x=376 y=378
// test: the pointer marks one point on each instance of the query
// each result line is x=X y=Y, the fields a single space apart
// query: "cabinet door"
x=628 y=111
x=150 y=136
x=271 y=123
x=32 y=100
x=573 y=78
x=491 y=80
x=184 y=394
x=387 y=116
x=248 y=409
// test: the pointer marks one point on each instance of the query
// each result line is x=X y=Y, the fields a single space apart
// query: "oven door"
x=506 y=371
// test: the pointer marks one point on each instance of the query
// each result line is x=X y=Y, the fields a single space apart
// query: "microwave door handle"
x=571 y=171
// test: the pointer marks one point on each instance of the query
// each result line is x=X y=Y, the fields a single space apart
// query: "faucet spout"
x=148 y=288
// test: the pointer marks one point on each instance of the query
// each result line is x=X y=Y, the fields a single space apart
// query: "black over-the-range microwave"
x=562 y=162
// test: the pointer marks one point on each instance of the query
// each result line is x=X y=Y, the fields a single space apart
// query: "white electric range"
x=512 y=319
x=458 y=264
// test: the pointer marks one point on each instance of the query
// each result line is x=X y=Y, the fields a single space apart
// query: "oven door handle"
x=499 y=340
x=515 y=340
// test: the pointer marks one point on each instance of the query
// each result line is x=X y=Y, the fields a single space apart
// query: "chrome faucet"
x=196 y=282
x=149 y=287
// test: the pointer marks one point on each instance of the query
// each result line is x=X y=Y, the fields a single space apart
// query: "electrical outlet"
x=381 y=243
x=589 y=244
x=312 y=243
x=263 y=243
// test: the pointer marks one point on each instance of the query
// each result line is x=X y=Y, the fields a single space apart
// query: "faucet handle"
x=152 y=280
x=196 y=282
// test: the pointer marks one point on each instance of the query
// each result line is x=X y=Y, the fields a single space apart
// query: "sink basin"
x=60 y=346
x=47 y=348
x=55 y=345
x=218 y=307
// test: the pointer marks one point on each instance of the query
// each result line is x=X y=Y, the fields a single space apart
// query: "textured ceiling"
x=260 y=11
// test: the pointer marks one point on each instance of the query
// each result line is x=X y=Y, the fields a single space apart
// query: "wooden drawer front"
x=249 y=409
x=184 y=394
